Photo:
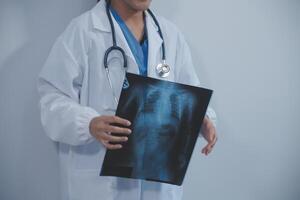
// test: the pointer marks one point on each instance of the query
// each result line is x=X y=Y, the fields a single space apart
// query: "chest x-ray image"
x=166 y=118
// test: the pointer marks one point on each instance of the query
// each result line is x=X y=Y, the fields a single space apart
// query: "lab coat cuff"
x=211 y=114
x=84 y=124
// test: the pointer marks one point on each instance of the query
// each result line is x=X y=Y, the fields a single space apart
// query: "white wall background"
x=247 y=51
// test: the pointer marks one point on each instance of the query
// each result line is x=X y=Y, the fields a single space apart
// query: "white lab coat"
x=74 y=89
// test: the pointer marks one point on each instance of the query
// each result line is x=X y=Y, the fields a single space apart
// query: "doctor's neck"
x=131 y=11
x=130 y=8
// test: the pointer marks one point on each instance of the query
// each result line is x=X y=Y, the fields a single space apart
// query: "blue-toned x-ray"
x=166 y=119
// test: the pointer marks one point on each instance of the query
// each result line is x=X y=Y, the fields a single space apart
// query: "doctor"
x=77 y=100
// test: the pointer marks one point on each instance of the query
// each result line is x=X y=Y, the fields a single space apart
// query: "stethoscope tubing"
x=162 y=69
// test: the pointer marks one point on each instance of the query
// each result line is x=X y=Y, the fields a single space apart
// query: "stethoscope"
x=162 y=69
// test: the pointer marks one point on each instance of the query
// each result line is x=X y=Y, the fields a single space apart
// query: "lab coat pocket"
x=88 y=185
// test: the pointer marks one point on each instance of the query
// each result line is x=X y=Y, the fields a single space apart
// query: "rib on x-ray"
x=166 y=119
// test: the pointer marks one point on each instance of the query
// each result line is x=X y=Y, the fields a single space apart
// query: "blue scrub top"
x=138 y=49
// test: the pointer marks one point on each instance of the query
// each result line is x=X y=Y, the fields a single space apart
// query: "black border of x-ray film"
x=111 y=167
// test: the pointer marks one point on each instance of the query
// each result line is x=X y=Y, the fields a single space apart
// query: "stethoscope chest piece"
x=163 y=70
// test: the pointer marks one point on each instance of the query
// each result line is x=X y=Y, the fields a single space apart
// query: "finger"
x=111 y=138
x=207 y=146
x=206 y=149
x=212 y=138
x=111 y=146
x=212 y=144
x=118 y=120
x=116 y=129
x=209 y=149
x=215 y=141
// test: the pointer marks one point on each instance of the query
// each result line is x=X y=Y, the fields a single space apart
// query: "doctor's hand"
x=101 y=128
x=210 y=135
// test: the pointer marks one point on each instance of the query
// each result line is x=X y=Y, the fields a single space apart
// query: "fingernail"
x=125 y=138
x=128 y=123
x=120 y=146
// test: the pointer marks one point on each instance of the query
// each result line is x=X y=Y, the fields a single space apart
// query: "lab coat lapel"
x=154 y=46
x=100 y=22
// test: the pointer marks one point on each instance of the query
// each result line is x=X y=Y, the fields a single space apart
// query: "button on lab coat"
x=74 y=89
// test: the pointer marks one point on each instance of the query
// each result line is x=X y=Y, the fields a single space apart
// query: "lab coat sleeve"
x=186 y=73
x=59 y=83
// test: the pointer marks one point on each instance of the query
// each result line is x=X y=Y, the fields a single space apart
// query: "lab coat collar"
x=101 y=23
x=99 y=17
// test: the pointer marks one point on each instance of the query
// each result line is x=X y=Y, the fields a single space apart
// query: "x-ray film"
x=166 y=118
